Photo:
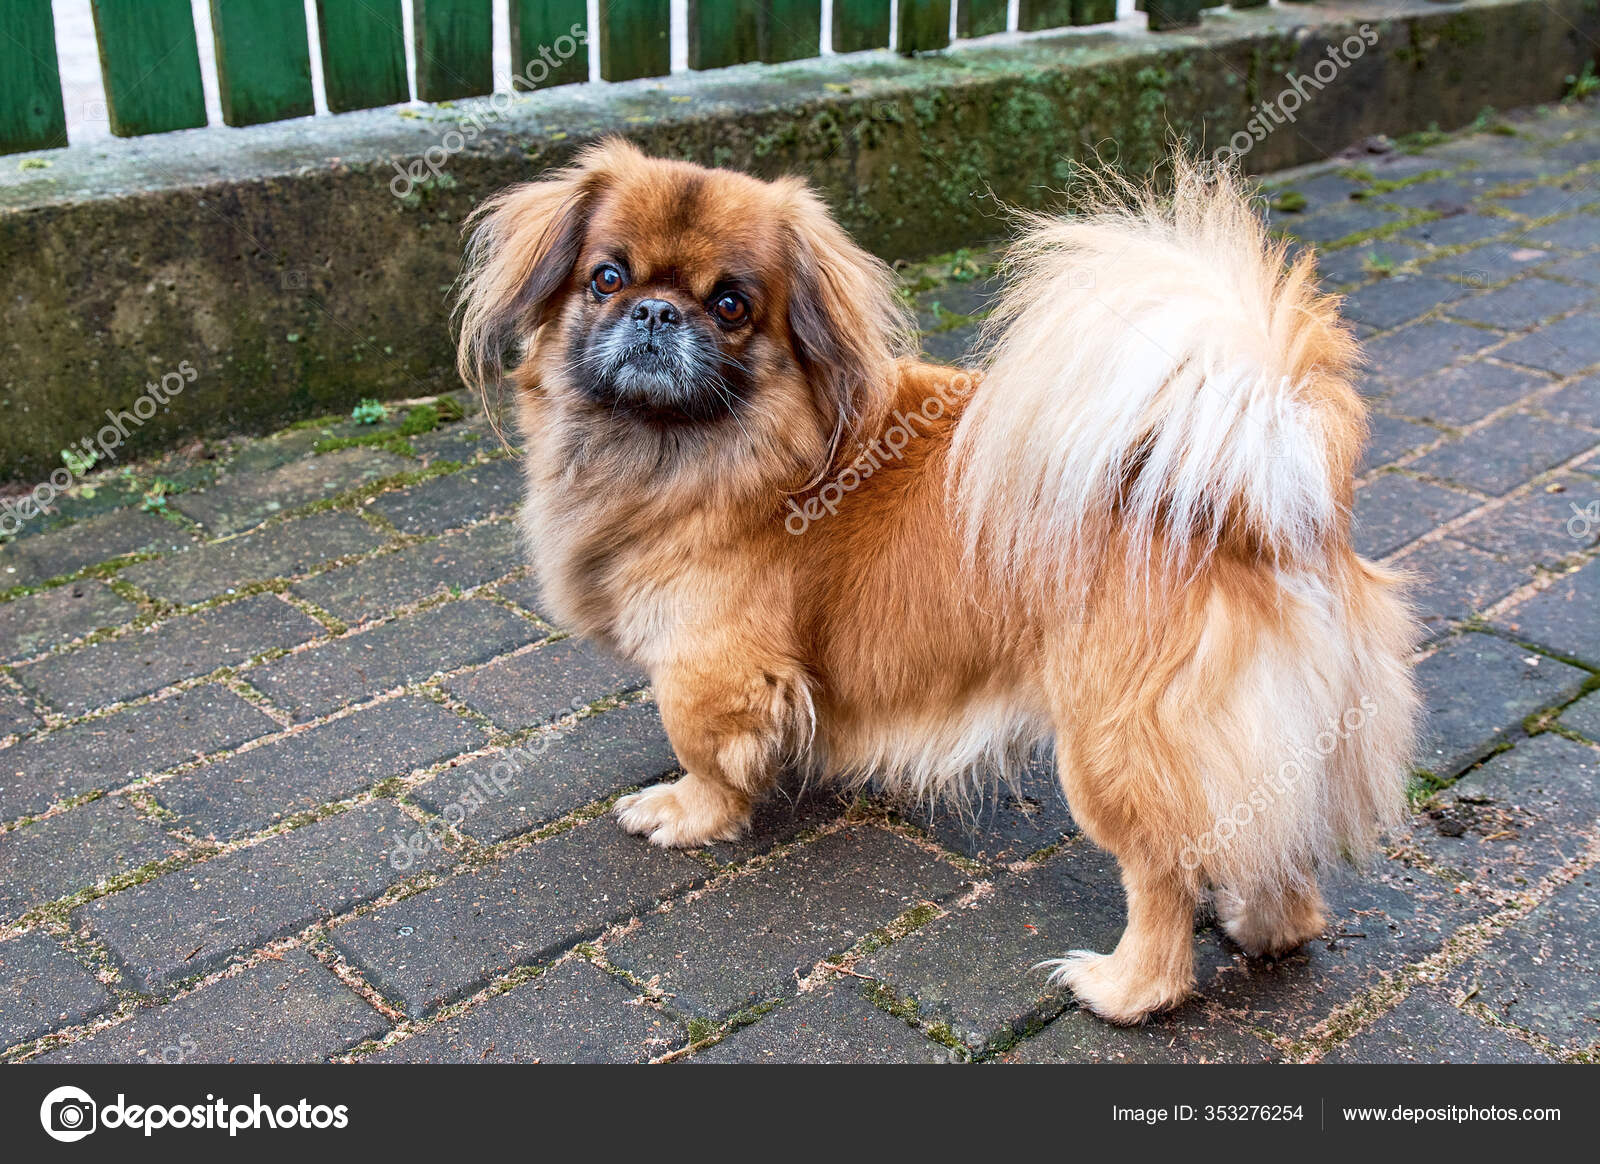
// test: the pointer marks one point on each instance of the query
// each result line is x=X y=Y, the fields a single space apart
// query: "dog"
x=1128 y=536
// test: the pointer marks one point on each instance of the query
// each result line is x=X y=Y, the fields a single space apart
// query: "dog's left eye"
x=731 y=308
x=606 y=280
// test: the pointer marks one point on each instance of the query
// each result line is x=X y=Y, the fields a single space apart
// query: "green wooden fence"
x=150 y=60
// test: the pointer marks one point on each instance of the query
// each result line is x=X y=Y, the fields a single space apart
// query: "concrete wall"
x=280 y=264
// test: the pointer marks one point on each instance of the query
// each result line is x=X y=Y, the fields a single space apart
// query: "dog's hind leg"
x=1127 y=800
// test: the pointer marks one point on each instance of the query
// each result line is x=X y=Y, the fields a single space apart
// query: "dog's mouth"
x=661 y=378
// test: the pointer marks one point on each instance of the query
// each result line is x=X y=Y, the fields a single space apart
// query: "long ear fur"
x=521 y=248
x=847 y=322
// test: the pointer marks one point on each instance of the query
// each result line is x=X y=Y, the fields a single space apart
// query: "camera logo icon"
x=68 y=1114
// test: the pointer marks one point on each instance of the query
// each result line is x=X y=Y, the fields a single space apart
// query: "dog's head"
x=661 y=297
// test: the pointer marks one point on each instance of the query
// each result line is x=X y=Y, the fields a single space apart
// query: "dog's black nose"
x=655 y=314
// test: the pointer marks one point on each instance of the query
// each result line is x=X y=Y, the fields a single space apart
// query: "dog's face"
x=676 y=312
x=675 y=305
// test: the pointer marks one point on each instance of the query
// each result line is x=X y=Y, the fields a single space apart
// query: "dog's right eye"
x=606 y=280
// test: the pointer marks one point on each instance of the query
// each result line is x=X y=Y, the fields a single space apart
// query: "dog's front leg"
x=729 y=725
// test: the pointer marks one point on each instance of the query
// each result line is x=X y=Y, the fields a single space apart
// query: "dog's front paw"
x=1116 y=992
x=683 y=815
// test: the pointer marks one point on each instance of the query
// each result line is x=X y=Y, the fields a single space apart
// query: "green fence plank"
x=1166 y=14
x=363 y=53
x=263 y=60
x=1033 y=15
x=150 y=62
x=549 y=43
x=791 y=30
x=860 y=24
x=1096 y=11
x=455 y=48
x=32 y=116
x=924 y=25
x=980 y=17
x=723 y=32
x=633 y=39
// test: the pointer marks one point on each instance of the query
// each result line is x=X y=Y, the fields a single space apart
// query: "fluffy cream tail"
x=1159 y=371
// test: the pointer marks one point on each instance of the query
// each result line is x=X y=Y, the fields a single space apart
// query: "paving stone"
x=442 y=944
x=1564 y=618
x=1505 y=453
x=747 y=940
x=16 y=717
x=1006 y=826
x=457 y=634
x=1543 y=201
x=31 y=560
x=1521 y=304
x=281 y=551
x=1580 y=232
x=1577 y=403
x=62 y=854
x=1520 y=816
x=794 y=807
x=115 y=749
x=1584 y=716
x=1543 y=973
x=1477 y=690
x=1378 y=921
x=1564 y=347
x=1339 y=222
x=1582 y=269
x=253 y=790
x=976 y=968
x=192 y=921
x=1187 y=1035
x=956 y=346
x=177 y=649
x=1420 y=348
x=377 y=586
x=1426 y=1028
x=832 y=1024
x=1456 y=581
x=462 y=443
x=545 y=684
x=1396 y=300
x=1490 y=263
x=572 y=1013
x=241 y=501
x=1458 y=229
x=288 y=1010
x=1358 y=264
x=1389 y=439
x=37 y=622
x=1395 y=510
x=510 y=791
x=1446 y=195
x=46 y=989
x=1459 y=396
x=973 y=297
x=458 y=499
x=1541 y=527
x=525 y=592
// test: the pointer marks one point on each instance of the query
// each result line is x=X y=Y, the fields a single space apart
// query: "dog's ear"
x=847 y=322
x=521 y=248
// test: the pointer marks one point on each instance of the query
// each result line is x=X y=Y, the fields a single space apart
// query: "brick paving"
x=292 y=769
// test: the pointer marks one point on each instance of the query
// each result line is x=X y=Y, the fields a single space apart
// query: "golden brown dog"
x=1130 y=537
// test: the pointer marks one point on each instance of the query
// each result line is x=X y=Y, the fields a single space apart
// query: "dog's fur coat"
x=1130 y=537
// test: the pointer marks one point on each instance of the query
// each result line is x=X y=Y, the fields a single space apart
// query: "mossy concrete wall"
x=280 y=264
